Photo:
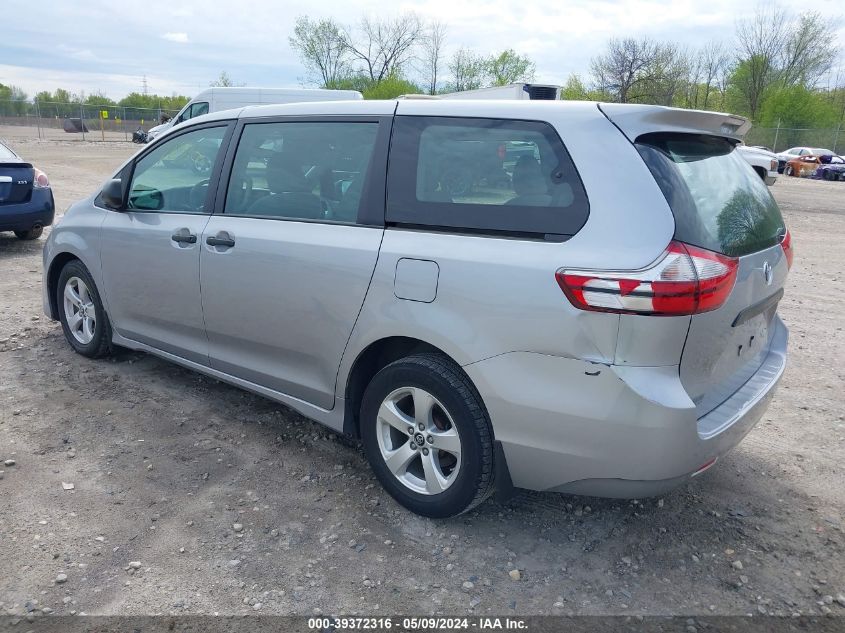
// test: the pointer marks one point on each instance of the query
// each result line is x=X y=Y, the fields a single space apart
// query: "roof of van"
x=297 y=91
x=633 y=120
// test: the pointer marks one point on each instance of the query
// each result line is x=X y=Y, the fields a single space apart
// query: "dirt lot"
x=164 y=462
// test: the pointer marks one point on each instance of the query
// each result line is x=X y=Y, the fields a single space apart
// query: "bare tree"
x=224 y=81
x=669 y=76
x=432 y=53
x=629 y=69
x=713 y=61
x=760 y=42
x=383 y=47
x=809 y=52
x=322 y=47
x=468 y=70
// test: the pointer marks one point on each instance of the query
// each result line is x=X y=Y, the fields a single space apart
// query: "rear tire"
x=84 y=320
x=427 y=436
x=32 y=234
x=788 y=171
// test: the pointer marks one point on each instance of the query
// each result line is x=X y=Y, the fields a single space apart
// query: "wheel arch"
x=56 y=265
x=368 y=363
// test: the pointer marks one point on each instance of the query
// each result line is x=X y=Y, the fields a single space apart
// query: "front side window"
x=198 y=109
x=174 y=176
x=483 y=175
x=301 y=170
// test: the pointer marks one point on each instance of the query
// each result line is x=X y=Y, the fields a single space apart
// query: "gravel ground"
x=190 y=496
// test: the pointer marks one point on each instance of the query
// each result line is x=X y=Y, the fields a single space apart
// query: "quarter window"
x=300 y=170
x=483 y=175
x=174 y=176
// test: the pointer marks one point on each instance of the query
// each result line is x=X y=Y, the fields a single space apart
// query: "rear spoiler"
x=634 y=120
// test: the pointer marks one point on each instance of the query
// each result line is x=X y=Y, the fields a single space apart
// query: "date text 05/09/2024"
x=416 y=624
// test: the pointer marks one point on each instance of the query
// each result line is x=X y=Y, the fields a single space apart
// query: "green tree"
x=798 y=107
x=468 y=71
x=509 y=67
x=98 y=100
x=390 y=87
x=12 y=100
x=575 y=90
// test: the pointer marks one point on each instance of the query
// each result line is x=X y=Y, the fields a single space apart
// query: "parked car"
x=810 y=165
x=764 y=162
x=797 y=152
x=26 y=200
x=554 y=329
x=833 y=170
x=217 y=99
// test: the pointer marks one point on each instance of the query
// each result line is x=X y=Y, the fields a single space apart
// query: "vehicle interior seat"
x=529 y=185
x=290 y=192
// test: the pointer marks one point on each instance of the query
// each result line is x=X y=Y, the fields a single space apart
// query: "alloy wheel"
x=418 y=440
x=80 y=313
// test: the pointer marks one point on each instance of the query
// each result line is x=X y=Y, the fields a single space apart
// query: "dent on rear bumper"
x=574 y=426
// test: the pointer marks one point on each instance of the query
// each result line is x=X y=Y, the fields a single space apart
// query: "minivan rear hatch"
x=721 y=205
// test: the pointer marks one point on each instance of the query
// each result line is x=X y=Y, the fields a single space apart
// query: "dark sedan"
x=26 y=200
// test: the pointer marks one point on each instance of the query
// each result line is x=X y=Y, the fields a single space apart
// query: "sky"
x=102 y=46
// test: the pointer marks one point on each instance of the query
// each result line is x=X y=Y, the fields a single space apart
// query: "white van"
x=517 y=91
x=217 y=99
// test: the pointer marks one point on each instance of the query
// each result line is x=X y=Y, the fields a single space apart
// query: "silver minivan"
x=561 y=296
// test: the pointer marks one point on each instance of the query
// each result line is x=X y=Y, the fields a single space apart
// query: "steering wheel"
x=198 y=194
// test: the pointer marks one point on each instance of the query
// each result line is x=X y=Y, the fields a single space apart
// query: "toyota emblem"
x=767 y=273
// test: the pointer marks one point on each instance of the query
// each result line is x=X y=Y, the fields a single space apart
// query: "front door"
x=150 y=251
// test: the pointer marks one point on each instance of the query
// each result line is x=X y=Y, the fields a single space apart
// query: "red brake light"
x=40 y=180
x=685 y=280
x=786 y=243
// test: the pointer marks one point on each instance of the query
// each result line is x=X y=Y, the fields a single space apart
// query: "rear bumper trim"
x=751 y=393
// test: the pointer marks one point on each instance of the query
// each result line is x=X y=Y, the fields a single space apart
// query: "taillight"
x=40 y=180
x=685 y=280
x=786 y=244
x=773 y=166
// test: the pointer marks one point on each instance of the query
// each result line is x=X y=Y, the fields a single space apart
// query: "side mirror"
x=112 y=194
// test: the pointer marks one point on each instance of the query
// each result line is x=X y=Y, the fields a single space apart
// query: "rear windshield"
x=718 y=201
x=5 y=152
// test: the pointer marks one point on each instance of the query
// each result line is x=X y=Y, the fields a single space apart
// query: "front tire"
x=32 y=234
x=788 y=171
x=427 y=436
x=84 y=320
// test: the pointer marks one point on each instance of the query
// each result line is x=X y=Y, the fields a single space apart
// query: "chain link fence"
x=780 y=139
x=22 y=120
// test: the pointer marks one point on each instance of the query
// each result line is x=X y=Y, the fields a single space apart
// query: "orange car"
x=802 y=166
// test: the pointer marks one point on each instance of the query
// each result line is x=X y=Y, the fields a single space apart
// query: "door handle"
x=216 y=240
x=183 y=238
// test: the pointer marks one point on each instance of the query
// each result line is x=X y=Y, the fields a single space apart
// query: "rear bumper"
x=22 y=217
x=771 y=178
x=621 y=432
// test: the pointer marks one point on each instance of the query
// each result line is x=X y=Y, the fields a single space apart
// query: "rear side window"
x=719 y=203
x=483 y=175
